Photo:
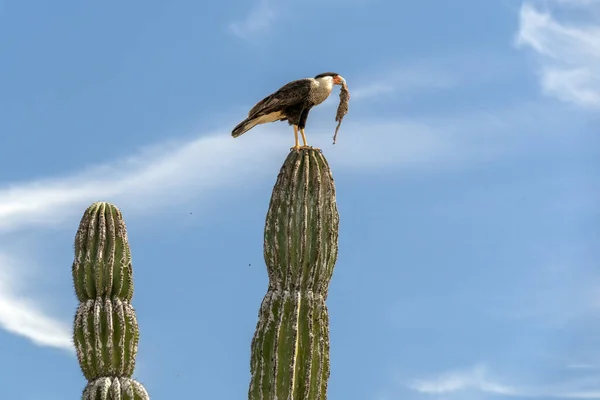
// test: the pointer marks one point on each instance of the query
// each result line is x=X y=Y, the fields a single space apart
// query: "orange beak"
x=337 y=80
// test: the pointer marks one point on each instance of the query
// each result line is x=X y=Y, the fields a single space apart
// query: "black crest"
x=324 y=74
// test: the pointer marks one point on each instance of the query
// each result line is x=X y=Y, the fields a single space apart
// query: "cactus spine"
x=105 y=332
x=290 y=348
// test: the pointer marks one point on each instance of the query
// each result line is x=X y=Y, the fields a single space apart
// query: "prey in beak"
x=338 y=80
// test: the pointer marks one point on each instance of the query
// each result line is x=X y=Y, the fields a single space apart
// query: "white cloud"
x=474 y=378
x=147 y=180
x=479 y=379
x=153 y=177
x=24 y=317
x=568 y=51
x=167 y=174
x=257 y=22
x=197 y=169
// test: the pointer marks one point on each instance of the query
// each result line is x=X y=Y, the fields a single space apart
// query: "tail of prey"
x=244 y=127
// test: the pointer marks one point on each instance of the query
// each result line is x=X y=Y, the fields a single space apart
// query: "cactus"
x=105 y=332
x=290 y=348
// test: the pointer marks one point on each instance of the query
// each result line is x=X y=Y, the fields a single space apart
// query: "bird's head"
x=335 y=77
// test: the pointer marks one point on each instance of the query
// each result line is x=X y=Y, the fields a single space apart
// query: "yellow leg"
x=306 y=146
x=303 y=137
x=297 y=143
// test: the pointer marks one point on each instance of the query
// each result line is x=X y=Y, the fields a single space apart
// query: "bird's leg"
x=303 y=137
x=306 y=146
x=297 y=143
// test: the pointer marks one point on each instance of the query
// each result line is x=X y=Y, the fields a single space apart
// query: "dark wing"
x=292 y=93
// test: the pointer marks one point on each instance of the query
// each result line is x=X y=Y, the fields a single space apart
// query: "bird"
x=292 y=102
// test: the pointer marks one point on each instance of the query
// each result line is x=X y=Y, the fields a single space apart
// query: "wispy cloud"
x=402 y=81
x=178 y=171
x=258 y=21
x=23 y=316
x=172 y=172
x=567 y=50
x=454 y=381
x=152 y=175
x=155 y=177
x=479 y=379
x=200 y=168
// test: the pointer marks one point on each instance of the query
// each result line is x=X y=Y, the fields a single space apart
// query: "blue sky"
x=466 y=173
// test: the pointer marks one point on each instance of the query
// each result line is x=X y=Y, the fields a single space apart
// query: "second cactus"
x=105 y=327
x=290 y=348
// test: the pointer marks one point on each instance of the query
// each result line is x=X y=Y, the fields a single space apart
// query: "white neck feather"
x=325 y=82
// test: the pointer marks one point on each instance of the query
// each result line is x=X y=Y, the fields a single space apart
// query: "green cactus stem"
x=102 y=265
x=106 y=336
x=290 y=348
x=105 y=331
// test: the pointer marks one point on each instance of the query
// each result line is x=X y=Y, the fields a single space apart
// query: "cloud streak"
x=568 y=52
x=25 y=318
x=155 y=176
x=177 y=172
x=479 y=379
x=164 y=175
x=151 y=176
x=454 y=381
x=173 y=172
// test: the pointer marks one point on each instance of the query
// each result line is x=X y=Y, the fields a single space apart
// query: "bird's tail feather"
x=244 y=127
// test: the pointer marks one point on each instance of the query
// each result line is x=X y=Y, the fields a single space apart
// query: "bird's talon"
x=298 y=148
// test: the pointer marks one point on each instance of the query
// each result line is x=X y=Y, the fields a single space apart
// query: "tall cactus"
x=105 y=330
x=290 y=348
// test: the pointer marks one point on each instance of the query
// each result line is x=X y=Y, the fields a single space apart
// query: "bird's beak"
x=338 y=80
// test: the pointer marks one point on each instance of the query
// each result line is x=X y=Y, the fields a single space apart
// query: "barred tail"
x=244 y=127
